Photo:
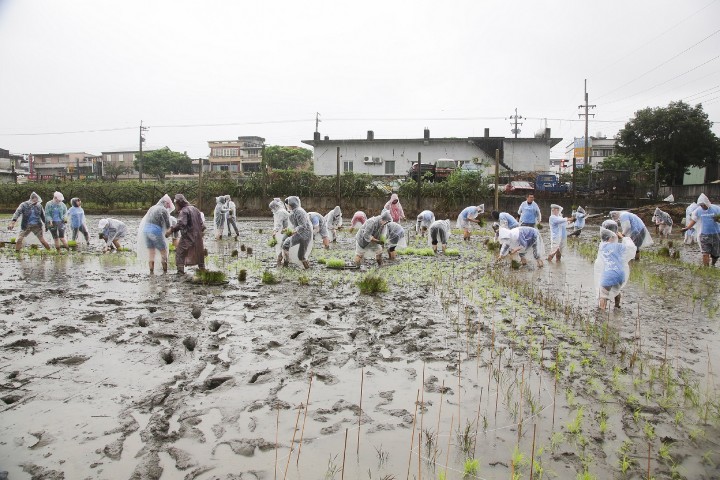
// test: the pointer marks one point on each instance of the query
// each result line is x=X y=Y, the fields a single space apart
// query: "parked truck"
x=549 y=182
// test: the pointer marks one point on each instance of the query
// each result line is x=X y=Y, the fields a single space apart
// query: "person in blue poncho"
x=529 y=212
x=706 y=220
x=76 y=214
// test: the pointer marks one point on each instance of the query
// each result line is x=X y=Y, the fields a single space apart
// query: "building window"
x=224 y=168
x=389 y=167
x=225 y=152
x=347 y=166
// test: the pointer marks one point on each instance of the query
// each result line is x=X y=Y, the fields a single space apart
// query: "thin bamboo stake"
x=442 y=390
x=532 y=455
x=302 y=433
x=522 y=384
x=459 y=387
x=477 y=421
x=422 y=413
x=412 y=437
x=447 y=454
x=419 y=456
x=552 y=429
x=649 y=453
x=342 y=473
x=277 y=425
x=292 y=443
x=362 y=381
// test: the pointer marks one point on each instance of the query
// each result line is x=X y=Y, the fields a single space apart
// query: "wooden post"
x=574 y=181
x=263 y=167
x=199 y=201
x=497 y=179
x=337 y=179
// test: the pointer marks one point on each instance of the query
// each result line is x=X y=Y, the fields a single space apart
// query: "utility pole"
x=337 y=178
x=142 y=139
x=317 y=120
x=497 y=179
x=515 y=123
x=419 y=178
x=587 y=117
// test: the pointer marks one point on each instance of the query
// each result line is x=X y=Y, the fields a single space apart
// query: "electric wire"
x=659 y=65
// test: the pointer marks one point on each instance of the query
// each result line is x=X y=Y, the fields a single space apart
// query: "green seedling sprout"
x=269 y=278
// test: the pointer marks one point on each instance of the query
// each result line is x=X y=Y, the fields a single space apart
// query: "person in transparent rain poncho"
x=334 y=222
x=424 y=220
x=231 y=217
x=467 y=217
x=663 y=222
x=632 y=226
x=519 y=241
x=281 y=223
x=439 y=232
x=358 y=220
x=151 y=234
x=368 y=240
x=706 y=221
x=504 y=219
x=612 y=266
x=221 y=213
x=579 y=217
x=298 y=245
x=558 y=232
x=690 y=235
x=395 y=239
x=33 y=221
x=529 y=213
x=112 y=231
x=76 y=214
x=610 y=225
x=55 y=216
x=395 y=208
x=319 y=227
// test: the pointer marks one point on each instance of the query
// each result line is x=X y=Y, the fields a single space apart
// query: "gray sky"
x=231 y=68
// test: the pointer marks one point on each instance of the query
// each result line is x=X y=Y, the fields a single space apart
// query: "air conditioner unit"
x=372 y=160
x=377 y=160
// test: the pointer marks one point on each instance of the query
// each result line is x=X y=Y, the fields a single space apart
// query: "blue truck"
x=549 y=182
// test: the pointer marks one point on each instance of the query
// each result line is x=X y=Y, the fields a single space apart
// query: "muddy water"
x=98 y=381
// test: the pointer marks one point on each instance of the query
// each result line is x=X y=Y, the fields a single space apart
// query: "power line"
x=660 y=65
x=632 y=52
x=71 y=132
x=665 y=82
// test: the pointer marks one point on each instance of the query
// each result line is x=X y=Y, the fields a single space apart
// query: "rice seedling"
x=372 y=283
x=452 y=252
x=287 y=231
x=515 y=265
x=425 y=252
x=471 y=467
x=303 y=280
x=575 y=426
x=209 y=277
x=322 y=260
x=269 y=278
x=382 y=455
x=334 y=263
x=465 y=438
x=272 y=242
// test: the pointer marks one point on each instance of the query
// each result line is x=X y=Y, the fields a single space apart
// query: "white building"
x=394 y=157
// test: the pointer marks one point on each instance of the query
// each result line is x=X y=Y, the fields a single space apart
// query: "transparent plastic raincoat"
x=612 y=265
x=579 y=216
x=112 y=229
x=395 y=208
x=469 y=213
x=281 y=222
x=632 y=226
x=691 y=233
x=395 y=236
x=374 y=227
x=663 y=221
x=152 y=228
x=558 y=230
x=333 y=220
x=319 y=225
x=439 y=232
x=524 y=238
x=299 y=244
x=358 y=219
x=221 y=212
x=425 y=219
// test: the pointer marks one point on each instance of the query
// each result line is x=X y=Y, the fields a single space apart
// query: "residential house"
x=46 y=166
x=395 y=156
x=241 y=155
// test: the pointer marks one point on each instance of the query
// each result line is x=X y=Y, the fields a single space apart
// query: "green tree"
x=287 y=158
x=159 y=163
x=625 y=162
x=676 y=137
x=112 y=170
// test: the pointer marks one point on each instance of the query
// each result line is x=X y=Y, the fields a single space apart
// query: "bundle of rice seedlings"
x=425 y=252
x=13 y=240
x=493 y=245
x=234 y=253
x=209 y=277
x=72 y=244
x=242 y=247
x=539 y=226
x=335 y=263
x=303 y=280
x=452 y=251
x=515 y=265
x=272 y=242
x=372 y=283
x=269 y=278
x=406 y=251
x=287 y=231
x=321 y=260
x=664 y=252
x=249 y=250
x=242 y=275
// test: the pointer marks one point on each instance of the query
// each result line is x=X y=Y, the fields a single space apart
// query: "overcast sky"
x=195 y=71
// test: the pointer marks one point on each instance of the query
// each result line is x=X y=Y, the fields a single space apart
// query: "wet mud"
x=109 y=372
